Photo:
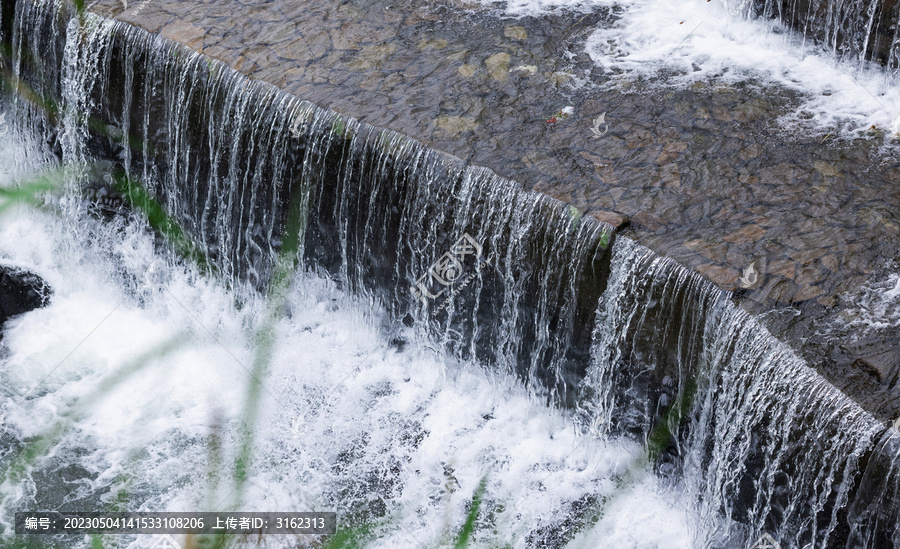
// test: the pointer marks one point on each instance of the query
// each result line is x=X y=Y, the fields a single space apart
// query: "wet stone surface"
x=20 y=292
x=701 y=174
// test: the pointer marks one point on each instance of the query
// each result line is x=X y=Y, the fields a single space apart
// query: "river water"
x=144 y=365
x=697 y=41
x=348 y=420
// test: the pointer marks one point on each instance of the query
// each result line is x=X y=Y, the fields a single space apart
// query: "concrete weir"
x=700 y=175
x=230 y=158
x=544 y=286
x=492 y=91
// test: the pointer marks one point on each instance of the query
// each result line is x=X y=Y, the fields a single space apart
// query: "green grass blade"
x=164 y=224
x=31 y=190
x=462 y=540
x=285 y=265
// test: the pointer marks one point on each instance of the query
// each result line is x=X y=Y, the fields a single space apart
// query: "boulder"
x=20 y=292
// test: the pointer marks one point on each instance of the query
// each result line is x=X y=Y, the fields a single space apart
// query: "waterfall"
x=518 y=281
x=854 y=30
x=397 y=208
x=226 y=157
x=766 y=441
x=873 y=516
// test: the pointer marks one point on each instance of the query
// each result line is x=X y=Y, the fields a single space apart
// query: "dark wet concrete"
x=702 y=175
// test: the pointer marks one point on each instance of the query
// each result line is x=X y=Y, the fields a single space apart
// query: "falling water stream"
x=554 y=356
x=857 y=30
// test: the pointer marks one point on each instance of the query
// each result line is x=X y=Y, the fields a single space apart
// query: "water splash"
x=768 y=445
x=873 y=516
x=875 y=307
x=856 y=30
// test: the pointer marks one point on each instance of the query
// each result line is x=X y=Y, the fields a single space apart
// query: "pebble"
x=456 y=124
x=515 y=32
x=468 y=70
x=498 y=66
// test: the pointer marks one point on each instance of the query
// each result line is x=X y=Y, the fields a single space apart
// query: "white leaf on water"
x=600 y=121
x=750 y=276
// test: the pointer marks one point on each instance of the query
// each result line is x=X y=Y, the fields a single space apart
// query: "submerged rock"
x=498 y=66
x=20 y=292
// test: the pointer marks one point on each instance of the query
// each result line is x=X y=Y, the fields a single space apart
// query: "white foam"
x=703 y=40
x=875 y=307
x=624 y=524
x=894 y=292
x=345 y=418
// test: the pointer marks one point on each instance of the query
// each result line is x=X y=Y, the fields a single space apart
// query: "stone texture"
x=671 y=151
x=712 y=250
x=724 y=277
x=467 y=70
x=20 y=292
x=515 y=32
x=648 y=220
x=807 y=291
x=498 y=66
x=372 y=57
x=826 y=169
x=615 y=219
x=456 y=124
x=782 y=268
x=879 y=358
x=186 y=33
x=749 y=233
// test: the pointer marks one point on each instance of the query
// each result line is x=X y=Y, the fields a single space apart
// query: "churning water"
x=372 y=403
x=721 y=42
x=347 y=420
